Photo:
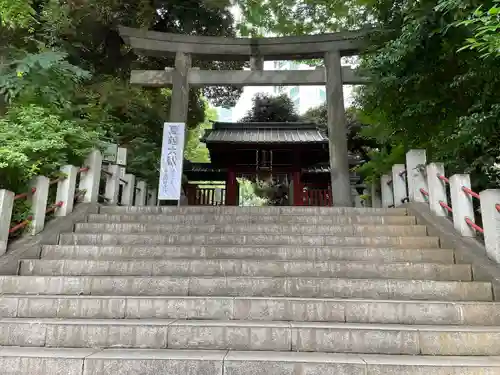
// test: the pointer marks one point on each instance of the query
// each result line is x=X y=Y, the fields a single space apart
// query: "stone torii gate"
x=330 y=47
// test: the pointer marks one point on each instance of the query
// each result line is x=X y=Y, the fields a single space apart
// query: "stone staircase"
x=245 y=291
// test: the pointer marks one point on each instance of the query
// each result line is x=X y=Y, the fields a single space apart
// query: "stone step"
x=246 y=267
x=334 y=337
x=218 y=218
x=251 y=335
x=233 y=210
x=293 y=363
x=76 y=361
x=375 y=255
x=287 y=229
x=248 y=287
x=43 y=361
x=241 y=239
x=251 y=308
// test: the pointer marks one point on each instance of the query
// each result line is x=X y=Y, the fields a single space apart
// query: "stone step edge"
x=145 y=217
x=238 y=267
x=252 y=298
x=229 y=223
x=223 y=356
x=241 y=260
x=250 y=309
x=188 y=278
x=204 y=226
x=232 y=210
x=253 y=324
x=247 y=234
x=252 y=246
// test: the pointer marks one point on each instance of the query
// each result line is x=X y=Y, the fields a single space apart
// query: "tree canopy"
x=64 y=87
x=357 y=143
x=68 y=58
x=270 y=108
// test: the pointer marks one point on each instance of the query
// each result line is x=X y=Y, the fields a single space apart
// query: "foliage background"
x=64 y=87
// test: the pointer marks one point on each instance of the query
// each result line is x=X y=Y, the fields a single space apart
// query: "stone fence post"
x=90 y=177
x=416 y=174
x=461 y=203
x=386 y=189
x=490 y=213
x=38 y=198
x=436 y=189
x=128 y=192
x=66 y=187
x=152 y=197
x=141 y=193
x=399 y=184
x=6 y=206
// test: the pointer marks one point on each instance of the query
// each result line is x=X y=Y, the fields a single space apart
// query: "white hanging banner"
x=172 y=156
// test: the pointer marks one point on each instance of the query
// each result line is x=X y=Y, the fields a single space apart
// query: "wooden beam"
x=163 y=78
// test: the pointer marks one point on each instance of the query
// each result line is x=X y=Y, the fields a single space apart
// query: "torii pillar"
x=179 y=101
x=337 y=132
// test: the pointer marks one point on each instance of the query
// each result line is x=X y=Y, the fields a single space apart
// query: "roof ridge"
x=264 y=125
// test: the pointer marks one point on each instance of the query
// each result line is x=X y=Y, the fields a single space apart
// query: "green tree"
x=86 y=34
x=268 y=108
x=486 y=27
x=196 y=151
x=64 y=87
x=297 y=17
x=425 y=94
x=357 y=143
x=16 y=13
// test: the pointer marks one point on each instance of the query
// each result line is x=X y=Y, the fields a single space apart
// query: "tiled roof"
x=265 y=133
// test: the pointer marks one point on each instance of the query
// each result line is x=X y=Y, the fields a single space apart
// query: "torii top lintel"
x=154 y=43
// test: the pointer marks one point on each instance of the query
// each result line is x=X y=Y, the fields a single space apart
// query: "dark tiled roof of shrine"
x=255 y=132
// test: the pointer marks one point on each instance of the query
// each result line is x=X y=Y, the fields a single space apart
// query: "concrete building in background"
x=304 y=97
x=224 y=114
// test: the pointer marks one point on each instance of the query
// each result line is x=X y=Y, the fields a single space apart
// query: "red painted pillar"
x=297 y=190
x=231 y=188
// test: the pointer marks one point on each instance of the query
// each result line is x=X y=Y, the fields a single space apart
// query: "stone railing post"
x=141 y=193
x=152 y=197
x=461 y=203
x=399 y=184
x=38 y=199
x=121 y=161
x=356 y=198
x=66 y=190
x=386 y=189
x=128 y=192
x=112 y=187
x=436 y=188
x=90 y=177
x=6 y=206
x=375 y=197
x=416 y=174
x=490 y=212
